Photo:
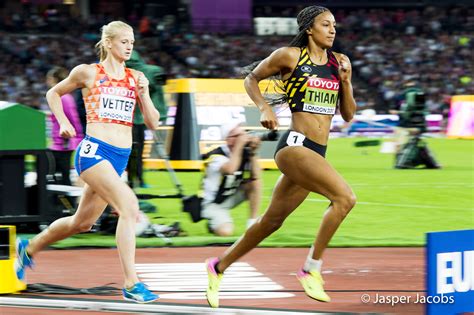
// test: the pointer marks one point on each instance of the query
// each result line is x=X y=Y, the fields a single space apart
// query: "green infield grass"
x=394 y=208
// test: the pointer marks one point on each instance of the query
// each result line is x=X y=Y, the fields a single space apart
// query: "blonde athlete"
x=110 y=92
x=316 y=82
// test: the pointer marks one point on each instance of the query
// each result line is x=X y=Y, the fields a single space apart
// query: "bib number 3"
x=88 y=149
x=295 y=139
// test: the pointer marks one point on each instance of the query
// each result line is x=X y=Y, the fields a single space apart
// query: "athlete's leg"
x=308 y=169
x=105 y=181
x=90 y=208
x=285 y=199
x=311 y=171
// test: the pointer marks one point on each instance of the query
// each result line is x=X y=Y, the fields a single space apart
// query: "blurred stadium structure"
x=388 y=42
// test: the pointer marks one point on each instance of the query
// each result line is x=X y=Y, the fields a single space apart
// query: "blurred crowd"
x=431 y=46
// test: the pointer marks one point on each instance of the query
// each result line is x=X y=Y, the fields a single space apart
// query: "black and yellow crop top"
x=313 y=88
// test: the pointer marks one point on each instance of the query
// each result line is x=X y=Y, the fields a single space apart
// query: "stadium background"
x=389 y=44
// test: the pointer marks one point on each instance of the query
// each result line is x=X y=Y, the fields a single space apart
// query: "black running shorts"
x=292 y=138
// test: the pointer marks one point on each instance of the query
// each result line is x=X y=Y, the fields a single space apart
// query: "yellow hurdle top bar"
x=213 y=86
x=462 y=98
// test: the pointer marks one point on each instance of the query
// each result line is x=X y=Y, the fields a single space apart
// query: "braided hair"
x=305 y=20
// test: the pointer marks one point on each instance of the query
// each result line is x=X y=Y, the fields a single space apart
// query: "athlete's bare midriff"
x=114 y=134
x=315 y=127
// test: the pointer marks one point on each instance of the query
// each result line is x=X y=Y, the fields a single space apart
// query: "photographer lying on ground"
x=232 y=175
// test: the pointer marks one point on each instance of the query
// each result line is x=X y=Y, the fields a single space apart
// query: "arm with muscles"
x=150 y=114
x=78 y=78
x=347 y=102
x=280 y=61
x=235 y=156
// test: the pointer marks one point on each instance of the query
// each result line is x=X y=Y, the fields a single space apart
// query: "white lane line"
x=189 y=266
x=227 y=295
x=180 y=276
x=196 y=280
x=428 y=185
x=402 y=205
x=192 y=279
x=155 y=308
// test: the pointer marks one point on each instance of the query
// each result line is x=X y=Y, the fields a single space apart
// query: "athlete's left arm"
x=347 y=102
x=151 y=115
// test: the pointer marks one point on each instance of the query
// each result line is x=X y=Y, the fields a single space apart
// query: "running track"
x=263 y=282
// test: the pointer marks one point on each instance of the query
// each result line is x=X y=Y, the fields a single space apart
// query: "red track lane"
x=352 y=273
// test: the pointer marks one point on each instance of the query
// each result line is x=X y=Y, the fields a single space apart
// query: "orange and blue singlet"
x=111 y=100
x=108 y=101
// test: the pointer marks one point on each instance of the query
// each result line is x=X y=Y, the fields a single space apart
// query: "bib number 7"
x=295 y=139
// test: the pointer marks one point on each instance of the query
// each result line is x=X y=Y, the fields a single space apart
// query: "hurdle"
x=9 y=282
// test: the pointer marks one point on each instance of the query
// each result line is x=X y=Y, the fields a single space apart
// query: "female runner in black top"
x=317 y=81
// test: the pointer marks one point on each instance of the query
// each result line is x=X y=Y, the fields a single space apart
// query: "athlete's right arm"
x=281 y=61
x=78 y=78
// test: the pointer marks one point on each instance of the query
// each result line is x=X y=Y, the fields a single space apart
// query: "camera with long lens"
x=271 y=135
x=412 y=115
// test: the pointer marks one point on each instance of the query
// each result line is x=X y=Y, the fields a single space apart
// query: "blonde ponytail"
x=101 y=51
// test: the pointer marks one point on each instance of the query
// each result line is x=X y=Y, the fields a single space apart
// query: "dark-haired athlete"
x=316 y=82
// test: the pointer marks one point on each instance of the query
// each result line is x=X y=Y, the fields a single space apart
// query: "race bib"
x=295 y=139
x=117 y=107
x=88 y=149
x=321 y=96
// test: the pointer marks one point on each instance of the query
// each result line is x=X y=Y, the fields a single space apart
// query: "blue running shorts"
x=92 y=151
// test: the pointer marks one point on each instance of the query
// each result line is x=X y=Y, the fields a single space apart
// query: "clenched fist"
x=345 y=68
